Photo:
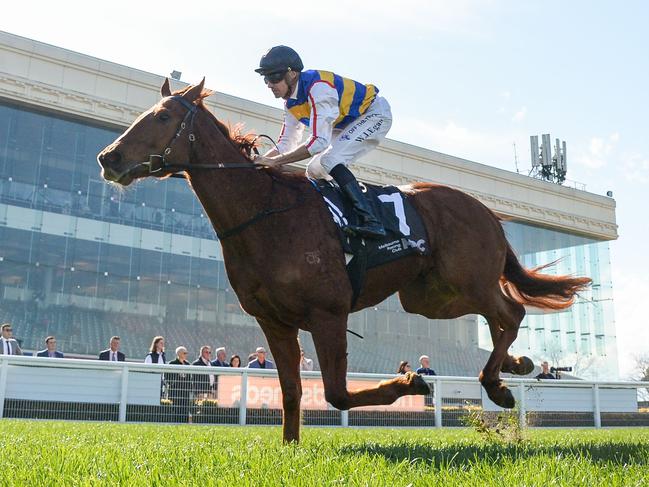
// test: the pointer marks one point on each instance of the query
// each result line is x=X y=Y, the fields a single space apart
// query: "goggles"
x=275 y=77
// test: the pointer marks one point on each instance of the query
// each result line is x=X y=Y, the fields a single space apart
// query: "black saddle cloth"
x=406 y=234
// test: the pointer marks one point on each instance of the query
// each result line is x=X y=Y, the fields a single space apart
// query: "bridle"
x=158 y=165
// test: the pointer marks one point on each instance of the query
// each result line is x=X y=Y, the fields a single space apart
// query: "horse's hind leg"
x=425 y=296
x=520 y=365
x=330 y=339
x=505 y=318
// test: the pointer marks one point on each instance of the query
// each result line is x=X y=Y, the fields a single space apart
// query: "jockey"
x=347 y=120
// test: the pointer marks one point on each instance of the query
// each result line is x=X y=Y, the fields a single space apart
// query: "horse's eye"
x=163 y=116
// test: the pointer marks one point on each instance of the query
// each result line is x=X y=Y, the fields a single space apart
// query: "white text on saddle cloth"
x=336 y=213
x=395 y=199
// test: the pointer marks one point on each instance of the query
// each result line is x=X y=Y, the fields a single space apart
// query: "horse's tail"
x=531 y=287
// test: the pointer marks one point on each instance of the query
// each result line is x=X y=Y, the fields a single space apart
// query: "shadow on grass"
x=604 y=453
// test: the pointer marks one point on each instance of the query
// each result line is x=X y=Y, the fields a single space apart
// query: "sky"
x=471 y=78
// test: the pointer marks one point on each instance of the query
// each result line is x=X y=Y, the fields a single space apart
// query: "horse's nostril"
x=112 y=157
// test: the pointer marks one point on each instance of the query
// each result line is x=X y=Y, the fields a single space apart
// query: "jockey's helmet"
x=279 y=59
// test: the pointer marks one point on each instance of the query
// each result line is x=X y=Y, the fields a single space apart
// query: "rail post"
x=4 y=371
x=344 y=418
x=437 y=402
x=597 y=416
x=123 y=395
x=522 y=410
x=243 y=399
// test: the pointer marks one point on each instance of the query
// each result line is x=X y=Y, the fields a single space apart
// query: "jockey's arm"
x=289 y=137
x=324 y=111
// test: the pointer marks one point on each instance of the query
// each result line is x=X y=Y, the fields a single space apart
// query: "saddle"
x=405 y=231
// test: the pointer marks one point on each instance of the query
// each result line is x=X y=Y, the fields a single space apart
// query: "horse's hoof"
x=419 y=384
x=500 y=394
x=518 y=366
x=524 y=366
x=508 y=401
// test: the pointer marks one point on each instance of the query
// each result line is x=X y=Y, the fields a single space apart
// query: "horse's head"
x=158 y=137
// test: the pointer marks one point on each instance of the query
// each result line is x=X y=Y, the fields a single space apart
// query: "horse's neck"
x=229 y=196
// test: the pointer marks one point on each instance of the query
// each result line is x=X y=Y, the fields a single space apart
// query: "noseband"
x=159 y=166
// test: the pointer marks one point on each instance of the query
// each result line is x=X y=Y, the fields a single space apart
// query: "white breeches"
x=355 y=140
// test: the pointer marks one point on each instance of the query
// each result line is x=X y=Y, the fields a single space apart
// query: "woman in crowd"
x=156 y=353
x=404 y=367
x=235 y=361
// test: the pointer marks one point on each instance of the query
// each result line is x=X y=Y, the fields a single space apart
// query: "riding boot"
x=370 y=226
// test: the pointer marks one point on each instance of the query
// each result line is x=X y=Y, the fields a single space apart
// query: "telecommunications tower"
x=546 y=166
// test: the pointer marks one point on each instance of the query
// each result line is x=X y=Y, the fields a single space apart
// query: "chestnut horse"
x=285 y=262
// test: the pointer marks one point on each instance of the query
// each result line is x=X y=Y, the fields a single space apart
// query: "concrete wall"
x=52 y=78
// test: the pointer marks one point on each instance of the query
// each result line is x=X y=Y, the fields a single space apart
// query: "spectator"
x=425 y=369
x=235 y=361
x=156 y=353
x=260 y=362
x=9 y=344
x=50 y=349
x=252 y=357
x=545 y=374
x=404 y=367
x=305 y=363
x=220 y=358
x=180 y=388
x=113 y=354
x=204 y=383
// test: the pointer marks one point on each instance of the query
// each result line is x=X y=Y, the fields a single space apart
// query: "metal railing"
x=75 y=389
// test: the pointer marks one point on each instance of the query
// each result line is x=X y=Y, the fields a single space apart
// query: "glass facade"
x=583 y=336
x=84 y=260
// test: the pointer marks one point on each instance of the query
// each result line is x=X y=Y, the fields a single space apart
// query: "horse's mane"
x=244 y=142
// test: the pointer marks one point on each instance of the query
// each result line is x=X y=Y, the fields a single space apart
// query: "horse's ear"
x=194 y=92
x=165 y=91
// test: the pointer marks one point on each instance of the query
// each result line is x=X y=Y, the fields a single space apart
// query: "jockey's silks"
x=353 y=97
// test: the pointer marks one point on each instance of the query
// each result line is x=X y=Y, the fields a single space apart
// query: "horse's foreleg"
x=285 y=348
x=330 y=339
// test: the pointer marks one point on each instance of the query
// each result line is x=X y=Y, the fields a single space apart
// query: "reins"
x=157 y=164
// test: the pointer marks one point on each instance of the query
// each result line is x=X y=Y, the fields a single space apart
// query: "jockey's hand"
x=263 y=161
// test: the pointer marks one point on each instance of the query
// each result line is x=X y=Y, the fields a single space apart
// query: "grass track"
x=58 y=453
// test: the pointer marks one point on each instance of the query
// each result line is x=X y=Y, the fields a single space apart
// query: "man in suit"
x=8 y=344
x=221 y=360
x=260 y=362
x=113 y=354
x=50 y=349
x=204 y=383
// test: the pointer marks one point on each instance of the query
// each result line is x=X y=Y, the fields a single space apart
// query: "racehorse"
x=285 y=262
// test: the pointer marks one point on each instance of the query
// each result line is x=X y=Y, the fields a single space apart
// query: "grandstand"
x=84 y=261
